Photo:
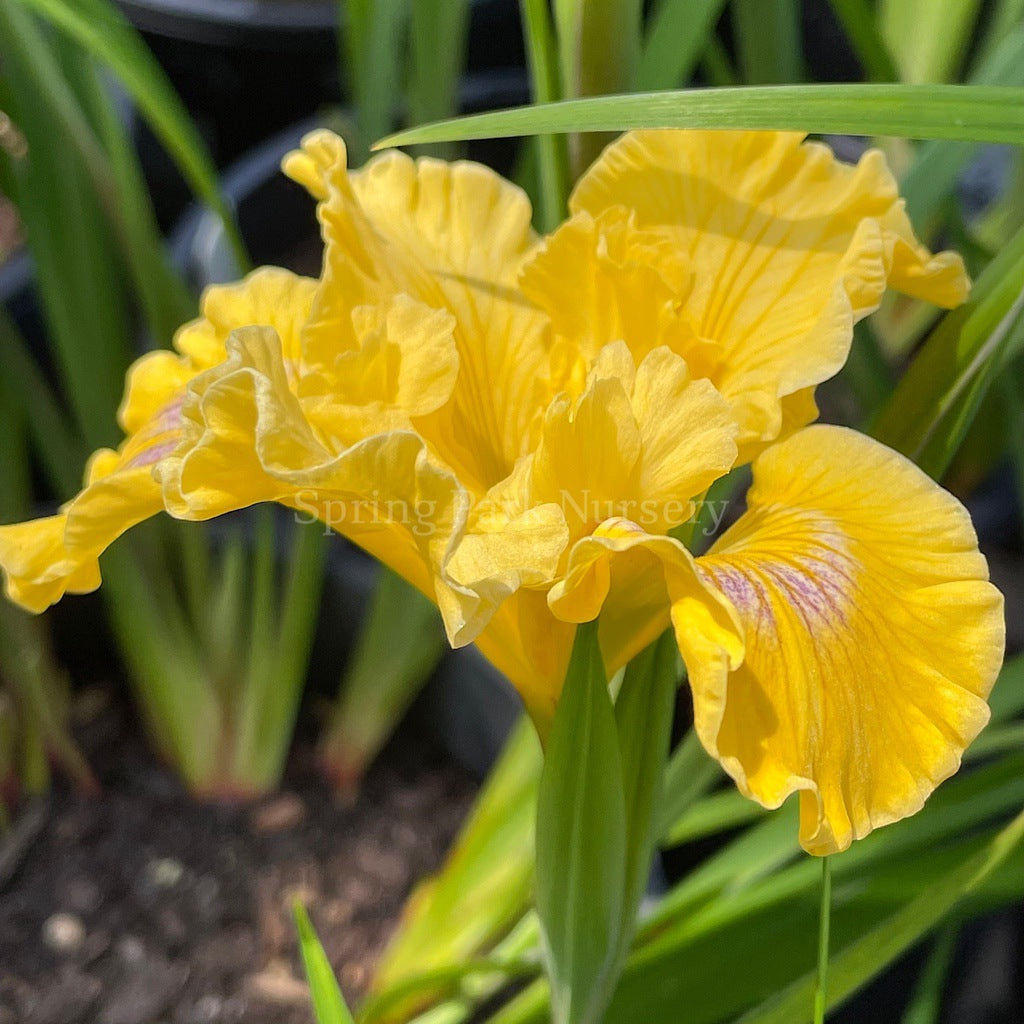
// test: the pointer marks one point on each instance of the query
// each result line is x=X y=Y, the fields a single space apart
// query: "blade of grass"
x=483 y=888
x=553 y=155
x=373 y=35
x=398 y=648
x=60 y=451
x=716 y=65
x=1006 y=17
x=599 y=52
x=165 y=299
x=101 y=30
x=768 y=42
x=297 y=614
x=861 y=27
x=677 y=34
x=928 y=38
x=938 y=163
x=580 y=841
x=926 y=1002
x=862 y=959
x=969 y=112
x=439 y=31
x=77 y=275
x=935 y=401
x=328 y=1002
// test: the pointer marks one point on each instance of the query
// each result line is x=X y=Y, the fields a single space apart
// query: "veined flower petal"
x=268 y=297
x=42 y=560
x=872 y=637
x=627 y=284
x=638 y=443
x=403 y=365
x=452 y=236
x=789 y=246
x=246 y=439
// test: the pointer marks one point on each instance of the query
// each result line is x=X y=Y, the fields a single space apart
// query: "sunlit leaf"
x=328 y=1002
x=970 y=112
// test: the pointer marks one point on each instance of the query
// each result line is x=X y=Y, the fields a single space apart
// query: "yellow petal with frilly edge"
x=872 y=637
x=454 y=237
x=43 y=560
x=789 y=248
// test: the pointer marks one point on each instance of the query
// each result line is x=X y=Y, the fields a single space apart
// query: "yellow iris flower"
x=516 y=424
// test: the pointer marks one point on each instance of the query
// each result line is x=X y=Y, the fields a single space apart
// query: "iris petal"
x=790 y=247
x=872 y=636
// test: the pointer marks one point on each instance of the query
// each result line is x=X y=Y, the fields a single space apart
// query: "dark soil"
x=145 y=907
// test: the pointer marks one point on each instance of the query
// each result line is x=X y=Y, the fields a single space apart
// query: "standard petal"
x=454 y=237
x=790 y=247
x=872 y=637
x=626 y=284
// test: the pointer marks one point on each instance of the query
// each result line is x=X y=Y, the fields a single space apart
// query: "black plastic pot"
x=246 y=69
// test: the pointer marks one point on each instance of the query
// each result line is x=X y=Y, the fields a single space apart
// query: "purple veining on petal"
x=166 y=421
x=745 y=591
x=817 y=586
x=148 y=456
x=169 y=416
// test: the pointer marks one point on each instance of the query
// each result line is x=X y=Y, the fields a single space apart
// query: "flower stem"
x=825 y=921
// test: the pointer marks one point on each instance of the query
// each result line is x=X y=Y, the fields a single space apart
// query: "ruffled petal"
x=639 y=443
x=789 y=246
x=43 y=560
x=872 y=637
x=638 y=583
x=246 y=439
x=268 y=297
x=403 y=365
x=626 y=284
x=452 y=236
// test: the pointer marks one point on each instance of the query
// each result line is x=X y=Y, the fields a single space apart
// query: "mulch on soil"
x=145 y=907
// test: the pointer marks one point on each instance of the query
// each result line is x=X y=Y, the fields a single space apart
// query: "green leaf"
x=1006 y=17
x=100 y=29
x=77 y=272
x=553 y=155
x=1007 y=697
x=926 y=1002
x=712 y=815
x=938 y=164
x=768 y=40
x=328 y=1002
x=373 y=34
x=861 y=960
x=59 y=450
x=438 y=29
x=690 y=773
x=970 y=112
x=599 y=47
x=399 y=646
x=861 y=27
x=676 y=36
x=928 y=38
x=644 y=715
x=936 y=400
x=484 y=887
x=581 y=850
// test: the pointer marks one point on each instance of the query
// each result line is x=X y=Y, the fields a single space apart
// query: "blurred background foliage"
x=215 y=628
